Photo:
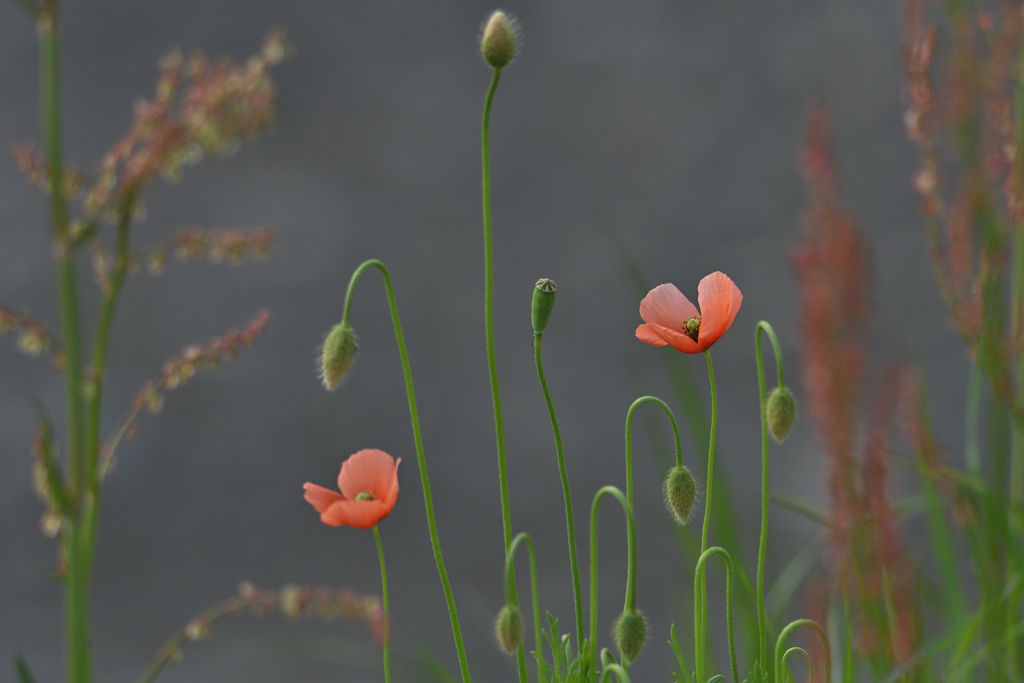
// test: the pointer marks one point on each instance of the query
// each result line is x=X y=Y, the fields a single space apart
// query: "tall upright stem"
x=762 y=626
x=700 y=627
x=492 y=362
x=79 y=660
x=387 y=612
x=702 y=604
x=570 y=524
x=414 y=417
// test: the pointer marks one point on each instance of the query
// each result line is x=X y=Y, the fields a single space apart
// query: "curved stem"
x=620 y=673
x=629 y=438
x=762 y=626
x=701 y=599
x=700 y=627
x=492 y=362
x=387 y=612
x=781 y=642
x=807 y=658
x=630 y=603
x=414 y=417
x=570 y=523
x=509 y=587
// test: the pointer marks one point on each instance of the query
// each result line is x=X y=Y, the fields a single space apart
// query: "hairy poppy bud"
x=781 y=413
x=680 y=493
x=339 y=351
x=509 y=628
x=498 y=44
x=543 y=302
x=630 y=634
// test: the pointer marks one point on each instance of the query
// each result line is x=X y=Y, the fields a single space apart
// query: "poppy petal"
x=367 y=471
x=361 y=514
x=392 y=494
x=647 y=334
x=677 y=340
x=665 y=305
x=720 y=300
x=321 y=498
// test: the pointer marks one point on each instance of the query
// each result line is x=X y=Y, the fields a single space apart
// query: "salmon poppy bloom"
x=673 y=321
x=369 y=489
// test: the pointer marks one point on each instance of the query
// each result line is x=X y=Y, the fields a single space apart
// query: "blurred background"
x=678 y=122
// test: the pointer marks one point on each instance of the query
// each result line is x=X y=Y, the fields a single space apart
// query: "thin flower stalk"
x=629 y=438
x=700 y=620
x=630 y=601
x=428 y=499
x=387 y=613
x=566 y=493
x=510 y=578
x=781 y=642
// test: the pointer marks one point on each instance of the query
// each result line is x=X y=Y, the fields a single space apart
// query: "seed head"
x=498 y=44
x=630 y=634
x=781 y=413
x=508 y=628
x=543 y=302
x=680 y=493
x=339 y=351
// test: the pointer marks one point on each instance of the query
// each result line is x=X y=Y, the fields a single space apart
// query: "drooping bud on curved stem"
x=337 y=355
x=629 y=438
x=498 y=42
x=680 y=493
x=630 y=603
x=783 y=411
x=700 y=620
x=780 y=413
x=543 y=302
x=421 y=461
x=508 y=628
x=630 y=634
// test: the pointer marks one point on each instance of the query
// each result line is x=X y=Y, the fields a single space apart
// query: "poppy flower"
x=673 y=321
x=369 y=489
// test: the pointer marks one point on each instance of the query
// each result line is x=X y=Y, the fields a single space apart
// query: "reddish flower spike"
x=671 y=320
x=369 y=489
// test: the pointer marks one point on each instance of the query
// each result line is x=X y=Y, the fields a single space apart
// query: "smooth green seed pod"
x=630 y=634
x=543 y=302
x=508 y=628
x=680 y=493
x=498 y=44
x=339 y=351
x=781 y=413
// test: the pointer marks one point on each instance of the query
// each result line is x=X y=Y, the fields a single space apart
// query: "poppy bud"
x=781 y=413
x=509 y=628
x=498 y=44
x=339 y=351
x=543 y=302
x=630 y=634
x=680 y=492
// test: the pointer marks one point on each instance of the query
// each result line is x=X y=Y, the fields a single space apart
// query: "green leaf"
x=24 y=675
x=802 y=507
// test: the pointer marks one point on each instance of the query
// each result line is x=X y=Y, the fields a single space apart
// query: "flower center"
x=692 y=327
x=366 y=495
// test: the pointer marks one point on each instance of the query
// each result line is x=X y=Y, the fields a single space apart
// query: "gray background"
x=684 y=119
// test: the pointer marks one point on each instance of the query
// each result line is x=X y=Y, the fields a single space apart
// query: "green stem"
x=629 y=438
x=97 y=374
x=492 y=362
x=630 y=603
x=781 y=643
x=414 y=417
x=387 y=613
x=76 y=598
x=762 y=627
x=620 y=673
x=509 y=587
x=701 y=601
x=807 y=658
x=972 y=419
x=566 y=493
x=700 y=627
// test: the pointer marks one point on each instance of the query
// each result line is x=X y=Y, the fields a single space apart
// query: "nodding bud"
x=630 y=634
x=680 y=493
x=339 y=351
x=509 y=628
x=498 y=44
x=543 y=302
x=781 y=413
